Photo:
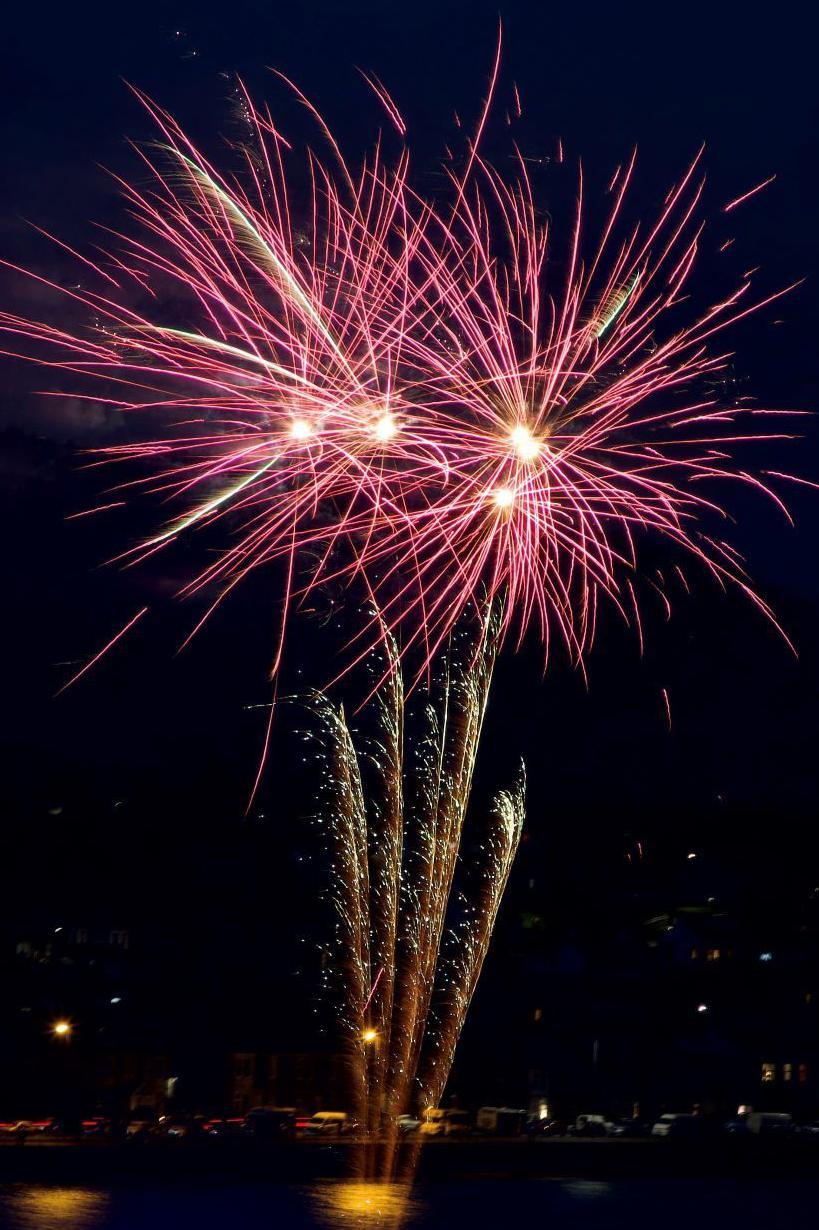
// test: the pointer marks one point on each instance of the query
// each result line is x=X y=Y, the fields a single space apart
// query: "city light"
x=61 y=1029
x=701 y=1008
x=369 y=1035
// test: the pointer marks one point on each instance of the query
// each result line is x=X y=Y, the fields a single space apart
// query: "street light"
x=369 y=1035
x=62 y=1029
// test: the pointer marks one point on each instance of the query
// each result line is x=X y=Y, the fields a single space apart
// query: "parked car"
x=500 y=1120
x=769 y=1123
x=96 y=1126
x=682 y=1125
x=271 y=1122
x=37 y=1127
x=179 y=1127
x=591 y=1125
x=139 y=1127
x=327 y=1123
x=438 y=1121
x=546 y=1127
x=630 y=1128
x=736 y=1127
x=223 y=1129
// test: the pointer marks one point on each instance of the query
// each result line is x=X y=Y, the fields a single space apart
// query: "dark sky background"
x=171 y=737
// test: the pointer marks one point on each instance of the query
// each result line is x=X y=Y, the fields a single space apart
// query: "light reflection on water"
x=468 y=1203
x=55 y=1208
x=586 y=1189
x=364 y=1206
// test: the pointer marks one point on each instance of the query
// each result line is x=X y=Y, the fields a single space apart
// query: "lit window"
x=768 y=1073
x=694 y=954
x=803 y=1073
x=787 y=1071
x=766 y=956
x=538 y=1014
x=712 y=954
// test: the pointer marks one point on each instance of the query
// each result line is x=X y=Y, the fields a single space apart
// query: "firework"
x=446 y=406
x=361 y=386
x=575 y=417
x=409 y=941
x=441 y=767
x=467 y=943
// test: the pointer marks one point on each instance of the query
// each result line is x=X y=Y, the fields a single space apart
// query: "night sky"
x=151 y=743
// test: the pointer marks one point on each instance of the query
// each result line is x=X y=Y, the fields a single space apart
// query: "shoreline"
x=106 y=1163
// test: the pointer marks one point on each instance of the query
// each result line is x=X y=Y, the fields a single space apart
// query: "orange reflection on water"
x=355 y=1203
x=57 y=1208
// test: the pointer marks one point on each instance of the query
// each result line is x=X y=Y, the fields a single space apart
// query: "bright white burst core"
x=385 y=428
x=504 y=497
x=300 y=429
x=524 y=443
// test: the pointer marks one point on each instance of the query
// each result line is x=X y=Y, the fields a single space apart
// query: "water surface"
x=499 y=1204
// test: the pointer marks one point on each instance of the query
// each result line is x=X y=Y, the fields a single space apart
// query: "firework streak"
x=409 y=943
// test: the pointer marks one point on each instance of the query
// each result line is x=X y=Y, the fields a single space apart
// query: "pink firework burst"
x=364 y=385
x=574 y=412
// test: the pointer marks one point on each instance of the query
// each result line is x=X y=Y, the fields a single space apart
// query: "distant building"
x=126 y=1081
x=676 y=986
x=305 y=1081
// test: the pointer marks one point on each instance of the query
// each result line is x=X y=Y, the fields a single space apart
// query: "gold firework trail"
x=409 y=942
